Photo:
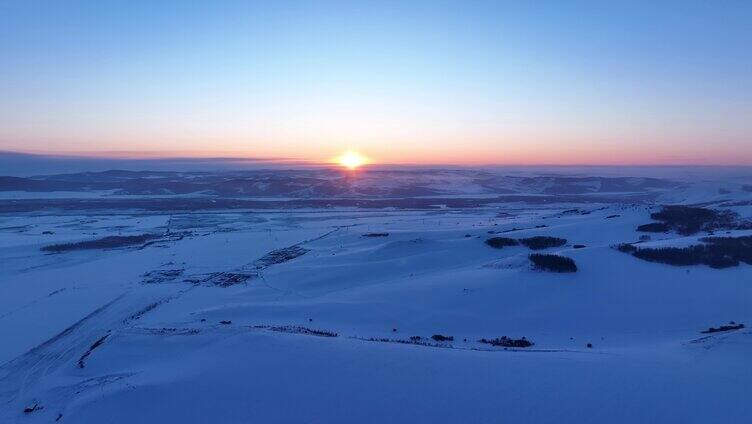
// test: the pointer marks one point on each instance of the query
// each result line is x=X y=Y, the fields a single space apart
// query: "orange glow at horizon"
x=351 y=160
x=522 y=150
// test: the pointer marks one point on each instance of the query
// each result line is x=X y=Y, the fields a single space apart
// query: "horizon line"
x=298 y=162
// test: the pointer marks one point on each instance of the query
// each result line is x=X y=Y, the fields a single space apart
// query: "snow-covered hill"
x=327 y=315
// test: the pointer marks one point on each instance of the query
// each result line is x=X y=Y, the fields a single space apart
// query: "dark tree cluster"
x=542 y=242
x=553 y=263
x=295 y=329
x=505 y=341
x=654 y=227
x=108 y=242
x=730 y=327
x=501 y=242
x=442 y=338
x=738 y=247
x=688 y=220
x=716 y=252
x=626 y=247
x=533 y=243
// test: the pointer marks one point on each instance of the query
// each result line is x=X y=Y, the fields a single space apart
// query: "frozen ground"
x=228 y=315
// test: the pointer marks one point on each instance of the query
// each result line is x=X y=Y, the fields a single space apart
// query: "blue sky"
x=418 y=82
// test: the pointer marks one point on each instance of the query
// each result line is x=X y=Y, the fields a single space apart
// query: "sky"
x=434 y=82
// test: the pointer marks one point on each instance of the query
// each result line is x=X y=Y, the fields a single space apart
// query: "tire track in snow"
x=26 y=378
x=23 y=379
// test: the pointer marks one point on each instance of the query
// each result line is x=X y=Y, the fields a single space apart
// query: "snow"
x=168 y=358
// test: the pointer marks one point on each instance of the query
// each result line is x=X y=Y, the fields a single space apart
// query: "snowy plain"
x=231 y=315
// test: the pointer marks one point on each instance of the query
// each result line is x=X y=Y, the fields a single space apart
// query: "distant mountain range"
x=328 y=183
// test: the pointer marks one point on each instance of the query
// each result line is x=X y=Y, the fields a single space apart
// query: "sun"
x=351 y=160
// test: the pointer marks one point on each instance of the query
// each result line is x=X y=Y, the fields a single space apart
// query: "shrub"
x=501 y=242
x=554 y=263
x=542 y=242
x=227 y=279
x=99 y=342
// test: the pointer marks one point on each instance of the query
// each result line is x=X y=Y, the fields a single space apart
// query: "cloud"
x=27 y=164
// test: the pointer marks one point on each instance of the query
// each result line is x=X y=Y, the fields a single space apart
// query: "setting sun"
x=351 y=160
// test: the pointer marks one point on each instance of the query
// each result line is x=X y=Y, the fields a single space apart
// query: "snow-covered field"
x=230 y=316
